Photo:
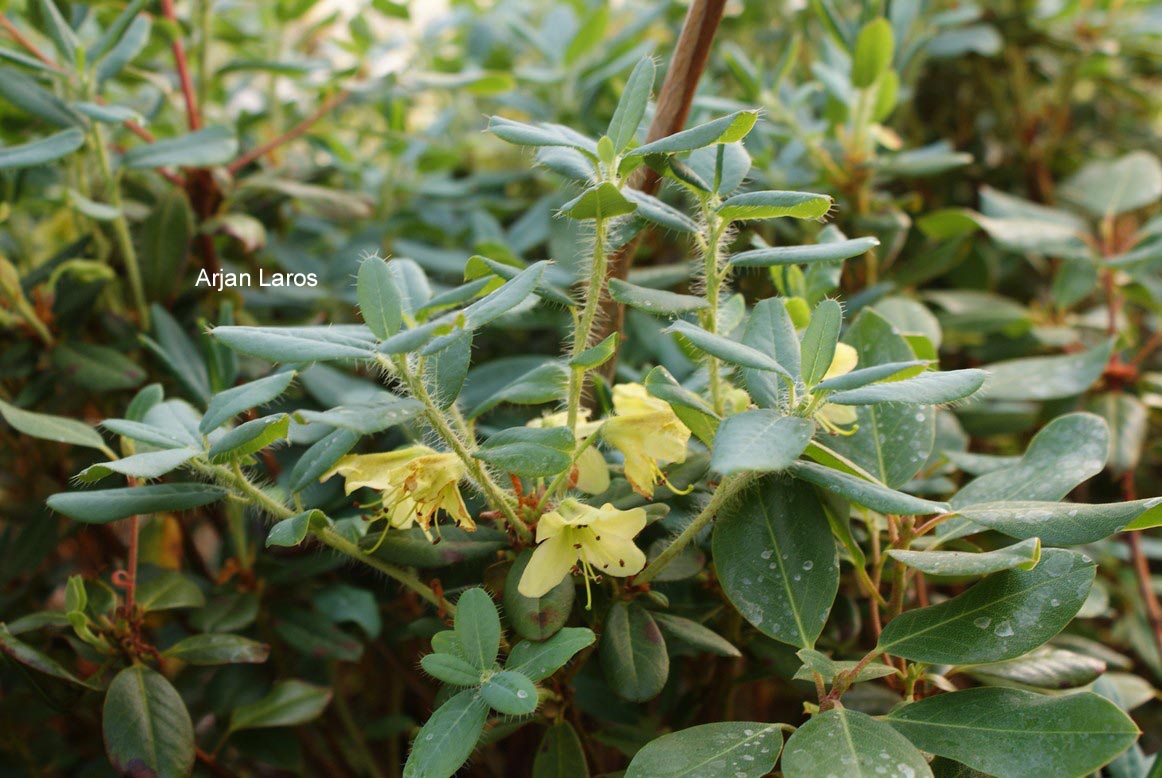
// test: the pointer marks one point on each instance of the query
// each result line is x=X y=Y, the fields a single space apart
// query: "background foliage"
x=983 y=188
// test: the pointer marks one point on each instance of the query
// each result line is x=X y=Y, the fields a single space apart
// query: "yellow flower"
x=415 y=483
x=592 y=470
x=734 y=399
x=834 y=418
x=647 y=433
x=598 y=540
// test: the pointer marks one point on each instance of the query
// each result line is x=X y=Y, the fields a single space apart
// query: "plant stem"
x=353 y=732
x=236 y=524
x=814 y=149
x=691 y=53
x=205 y=21
x=495 y=495
x=1150 y=602
x=182 y=63
x=715 y=228
x=299 y=129
x=593 y=295
x=334 y=540
x=558 y=484
x=730 y=486
x=121 y=227
x=327 y=536
x=28 y=45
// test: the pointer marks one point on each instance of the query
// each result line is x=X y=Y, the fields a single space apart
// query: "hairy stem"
x=261 y=499
x=715 y=229
x=691 y=53
x=334 y=540
x=593 y=295
x=461 y=447
x=729 y=487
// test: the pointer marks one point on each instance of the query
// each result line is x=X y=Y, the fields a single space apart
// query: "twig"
x=183 y=66
x=354 y=733
x=121 y=228
x=329 y=537
x=28 y=45
x=460 y=446
x=1150 y=346
x=258 y=497
x=127 y=578
x=1142 y=570
x=689 y=60
x=298 y=130
x=726 y=490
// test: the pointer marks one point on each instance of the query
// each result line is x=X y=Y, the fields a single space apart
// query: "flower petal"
x=548 y=566
x=592 y=472
x=843 y=362
x=612 y=555
x=839 y=415
x=625 y=524
x=550 y=526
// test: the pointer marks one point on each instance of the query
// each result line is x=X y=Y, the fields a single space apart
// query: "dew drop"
x=521 y=694
x=808 y=565
x=1004 y=629
x=982 y=622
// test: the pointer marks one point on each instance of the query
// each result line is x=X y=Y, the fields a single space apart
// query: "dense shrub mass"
x=571 y=388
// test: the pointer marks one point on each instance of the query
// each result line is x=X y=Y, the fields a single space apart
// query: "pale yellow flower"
x=592 y=469
x=734 y=399
x=834 y=418
x=415 y=483
x=647 y=433
x=596 y=540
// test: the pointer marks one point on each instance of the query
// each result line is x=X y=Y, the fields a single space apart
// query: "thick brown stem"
x=690 y=56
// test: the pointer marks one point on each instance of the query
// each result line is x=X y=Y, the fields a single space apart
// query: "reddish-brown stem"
x=28 y=45
x=1113 y=302
x=183 y=67
x=921 y=590
x=139 y=131
x=173 y=178
x=131 y=583
x=1147 y=349
x=928 y=525
x=128 y=578
x=1142 y=570
x=691 y=53
x=298 y=130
